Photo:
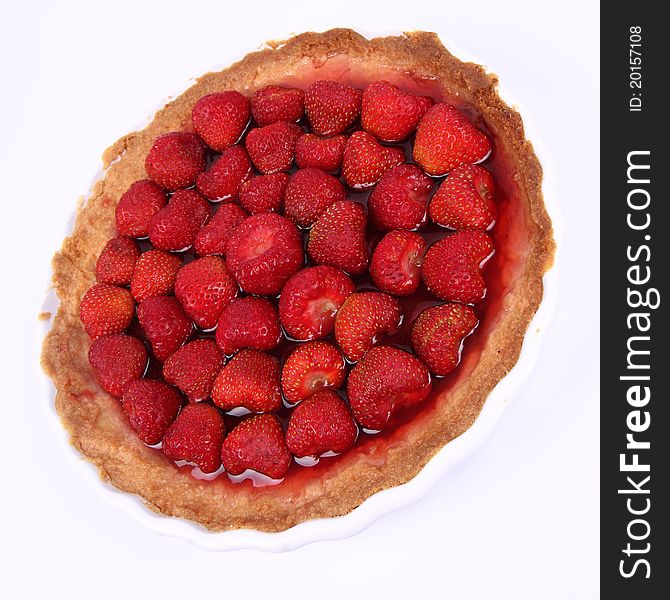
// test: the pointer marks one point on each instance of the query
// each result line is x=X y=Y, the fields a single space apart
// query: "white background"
x=517 y=520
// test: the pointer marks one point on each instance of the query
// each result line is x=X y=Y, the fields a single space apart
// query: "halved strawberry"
x=175 y=160
x=364 y=319
x=438 y=333
x=118 y=360
x=310 y=300
x=272 y=148
x=151 y=406
x=257 y=443
x=106 y=309
x=222 y=181
x=249 y=380
x=221 y=118
x=212 y=238
x=321 y=423
x=311 y=367
x=396 y=262
x=320 y=153
x=309 y=193
x=165 y=325
x=205 y=287
x=365 y=160
x=385 y=381
x=248 y=323
x=264 y=193
x=154 y=274
x=139 y=203
x=331 y=107
x=273 y=103
x=117 y=261
x=174 y=227
x=196 y=435
x=194 y=367
x=452 y=266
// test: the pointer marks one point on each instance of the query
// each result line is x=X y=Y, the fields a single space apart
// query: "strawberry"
x=221 y=118
x=106 y=309
x=212 y=238
x=365 y=160
x=194 y=367
x=257 y=443
x=438 y=333
x=151 y=406
x=117 y=261
x=309 y=368
x=400 y=199
x=248 y=323
x=385 y=381
x=139 y=203
x=321 y=423
x=174 y=227
x=264 y=193
x=320 y=153
x=273 y=103
x=310 y=300
x=309 y=193
x=154 y=274
x=452 y=266
x=465 y=199
x=222 y=181
x=331 y=107
x=196 y=435
x=389 y=113
x=272 y=148
x=338 y=238
x=250 y=380
x=396 y=262
x=205 y=287
x=118 y=360
x=263 y=252
x=165 y=325
x=175 y=160
x=445 y=139
x=364 y=319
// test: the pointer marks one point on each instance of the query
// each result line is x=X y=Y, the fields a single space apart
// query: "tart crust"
x=97 y=427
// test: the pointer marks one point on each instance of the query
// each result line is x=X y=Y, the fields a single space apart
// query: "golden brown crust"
x=98 y=428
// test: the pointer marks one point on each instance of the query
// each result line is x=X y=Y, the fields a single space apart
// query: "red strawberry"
x=165 y=325
x=175 y=160
x=385 y=381
x=311 y=367
x=194 y=367
x=365 y=160
x=452 y=266
x=273 y=103
x=321 y=424
x=331 y=107
x=151 y=406
x=136 y=207
x=205 y=287
x=400 y=199
x=310 y=300
x=389 y=113
x=309 y=193
x=445 y=139
x=221 y=118
x=212 y=238
x=364 y=319
x=106 y=309
x=248 y=323
x=396 y=262
x=117 y=261
x=264 y=193
x=465 y=199
x=118 y=360
x=174 y=227
x=257 y=443
x=250 y=380
x=154 y=275
x=222 y=181
x=438 y=333
x=196 y=435
x=263 y=252
x=272 y=148
x=320 y=153
x=338 y=238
